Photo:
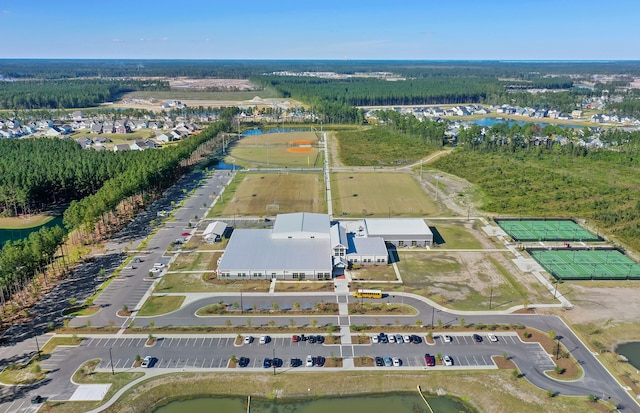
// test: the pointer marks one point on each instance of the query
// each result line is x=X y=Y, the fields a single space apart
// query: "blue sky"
x=321 y=29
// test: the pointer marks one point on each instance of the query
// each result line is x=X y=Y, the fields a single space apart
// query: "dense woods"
x=77 y=93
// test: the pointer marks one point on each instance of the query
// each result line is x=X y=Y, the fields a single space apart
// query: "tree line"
x=53 y=94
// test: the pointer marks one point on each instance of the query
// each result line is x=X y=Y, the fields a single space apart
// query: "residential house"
x=138 y=145
x=121 y=147
x=77 y=115
x=101 y=140
x=165 y=138
x=96 y=128
x=151 y=144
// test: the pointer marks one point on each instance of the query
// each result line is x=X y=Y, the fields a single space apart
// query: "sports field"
x=279 y=139
x=587 y=264
x=379 y=194
x=545 y=230
x=274 y=193
x=294 y=157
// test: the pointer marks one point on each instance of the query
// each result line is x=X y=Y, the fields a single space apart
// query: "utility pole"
x=37 y=346
x=433 y=313
x=437 y=180
x=273 y=361
x=490 y=298
x=111 y=359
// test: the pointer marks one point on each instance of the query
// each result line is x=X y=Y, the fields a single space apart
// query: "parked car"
x=415 y=339
x=266 y=363
x=430 y=360
x=320 y=339
x=130 y=267
x=448 y=361
x=309 y=361
x=406 y=338
x=147 y=362
x=158 y=265
x=447 y=339
x=318 y=361
x=492 y=338
x=375 y=339
x=243 y=362
x=312 y=339
x=295 y=339
x=392 y=338
x=37 y=400
x=397 y=362
x=296 y=362
x=264 y=339
x=155 y=270
x=388 y=362
x=382 y=337
x=276 y=362
x=477 y=338
x=379 y=362
x=248 y=339
x=136 y=260
x=399 y=339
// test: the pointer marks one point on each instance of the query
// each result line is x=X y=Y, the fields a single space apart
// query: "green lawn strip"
x=86 y=375
x=495 y=391
x=82 y=311
x=507 y=276
x=381 y=308
x=24 y=223
x=158 y=305
x=194 y=283
x=455 y=235
x=222 y=310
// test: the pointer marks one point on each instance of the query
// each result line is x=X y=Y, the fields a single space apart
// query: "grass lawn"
x=277 y=139
x=494 y=391
x=276 y=157
x=379 y=194
x=194 y=261
x=157 y=305
x=454 y=234
x=192 y=94
x=374 y=273
x=250 y=194
x=194 y=283
x=24 y=222
x=290 y=286
x=117 y=138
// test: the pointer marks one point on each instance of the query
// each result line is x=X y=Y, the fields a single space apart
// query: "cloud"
x=5 y=11
x=117 y=40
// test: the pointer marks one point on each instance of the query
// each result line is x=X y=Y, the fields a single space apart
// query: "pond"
x=397 y=403
x=492 y=121
x=632 y=352
x=16 y=234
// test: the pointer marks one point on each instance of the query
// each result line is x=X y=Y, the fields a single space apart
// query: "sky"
x=321 y=29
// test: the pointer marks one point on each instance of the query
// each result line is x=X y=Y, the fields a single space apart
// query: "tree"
x=314 y=322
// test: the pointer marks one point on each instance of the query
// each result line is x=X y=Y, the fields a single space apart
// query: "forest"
x=77 y=93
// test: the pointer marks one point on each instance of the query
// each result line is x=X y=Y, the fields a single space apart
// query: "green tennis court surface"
x=545 y=230
x=587 y=264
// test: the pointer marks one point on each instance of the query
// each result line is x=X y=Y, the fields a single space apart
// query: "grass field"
x=284 y=150
x=292 y=192
x=378 y=194
x=454 y=234
x=23 y=222
x=277 y=139
x=190 y=94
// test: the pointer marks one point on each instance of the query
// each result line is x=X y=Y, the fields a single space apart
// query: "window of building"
x=414 y=243
x=400 y=243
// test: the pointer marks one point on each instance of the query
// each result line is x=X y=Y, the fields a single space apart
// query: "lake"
x=16 y=234
x=492 y=121
x=632 y=352
x=396 y=403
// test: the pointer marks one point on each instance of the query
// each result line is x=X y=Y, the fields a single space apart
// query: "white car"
x=309 y=362
x=158 y=265
x=374 y=339
x=397 y=362
x=492 y=338
x=448 y=361
x=447 y=339
x=392 y=338
x=264 y=339
x=248 y=339
x=406 y=338
x=155 y=270
x=146 y=361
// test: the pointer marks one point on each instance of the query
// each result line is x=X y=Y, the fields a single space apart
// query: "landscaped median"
x=222 y=309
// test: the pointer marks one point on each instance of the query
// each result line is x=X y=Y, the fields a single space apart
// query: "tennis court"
x=587 y=264
x=545 y=230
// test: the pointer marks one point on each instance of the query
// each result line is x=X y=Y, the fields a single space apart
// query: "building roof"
x=216 y=228
x=301 y=225
x=367 y=246
x=393 y=226
x=256 y=250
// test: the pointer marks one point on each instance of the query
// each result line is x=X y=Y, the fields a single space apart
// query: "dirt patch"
x=504 y=363
x=301 y=142
x=299 y=150
x=598 y=304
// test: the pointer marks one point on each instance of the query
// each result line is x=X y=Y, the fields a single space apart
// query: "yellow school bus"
x=363 y=293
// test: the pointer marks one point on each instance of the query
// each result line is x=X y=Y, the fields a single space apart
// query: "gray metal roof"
x=368 y=246
x=394 y=226
x=301 y=225
x=256 y=250
x=216 y=227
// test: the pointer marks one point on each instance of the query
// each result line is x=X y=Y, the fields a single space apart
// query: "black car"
x=276 y=362
x=318 y=361
x=303 y=337
x=382 y=338
x=37 y=400
x=416 y=339
x=379 y=362
x=312 y=339
x=266 y=363
x=477 y=338
x=243 y=362
x=296 y=362
x=320 y=339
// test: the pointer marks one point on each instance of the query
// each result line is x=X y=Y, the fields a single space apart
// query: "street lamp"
x=433 y=313
x=273 y=361
x=37 y=346
x=437 y=180
x=111 y=359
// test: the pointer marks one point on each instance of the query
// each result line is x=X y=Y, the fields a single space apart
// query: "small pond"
x=632 y=352
x=17 y=234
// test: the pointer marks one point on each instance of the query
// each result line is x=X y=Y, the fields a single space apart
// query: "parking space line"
x=211 y=365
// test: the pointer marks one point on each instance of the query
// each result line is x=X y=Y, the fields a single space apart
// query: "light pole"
x=273 y=361
x=111 y=359
x=241 y=306
x=490 y=298
x=37 y=346
x=437 y=180
x=433 y=313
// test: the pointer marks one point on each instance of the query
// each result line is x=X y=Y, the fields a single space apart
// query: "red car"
x=295 y=339
x=186 y=234
x=431 y=361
